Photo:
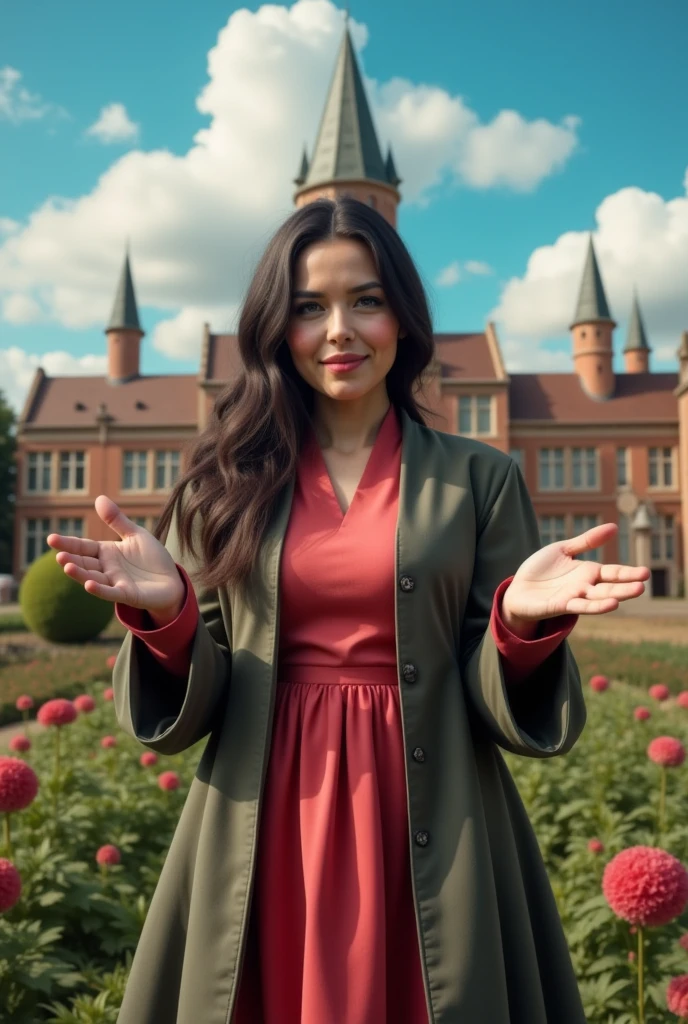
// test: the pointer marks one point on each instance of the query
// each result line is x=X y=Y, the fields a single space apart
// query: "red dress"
x=332 y=935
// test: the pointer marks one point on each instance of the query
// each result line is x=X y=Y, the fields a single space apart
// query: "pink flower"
x=24 y=703
x=110 y=661
x=683 y=941
x=109 y=694
x=148 y=758
x=659 y=691
x=667 y=751
x=595 y=846
x=10 y=885
x=641 y=713
x=645 y=885
x=84 y=702
x=677 y=995
x=18 y=784
x=682 y=699
x=599 y=683
x=168 y=780
x=108 y=854
x=20 y=743
x=107 y=742
x=631 y=956
x=56 y=712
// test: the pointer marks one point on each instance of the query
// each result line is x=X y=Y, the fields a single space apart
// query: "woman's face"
x=339 y=308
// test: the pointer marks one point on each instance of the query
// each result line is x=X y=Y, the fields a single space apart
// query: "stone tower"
x=592 y=330
x=636 y=350
x=124 y=331
x=347 y=159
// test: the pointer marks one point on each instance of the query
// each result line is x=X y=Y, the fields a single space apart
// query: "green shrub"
x=57 y=607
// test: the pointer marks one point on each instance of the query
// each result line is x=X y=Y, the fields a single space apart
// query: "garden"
x=88 y=815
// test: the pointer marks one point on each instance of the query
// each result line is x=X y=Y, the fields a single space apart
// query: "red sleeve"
x=170 y=644
x=521 y=657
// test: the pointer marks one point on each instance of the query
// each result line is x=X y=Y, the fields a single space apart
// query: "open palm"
x=136 y=570
x=554 y=582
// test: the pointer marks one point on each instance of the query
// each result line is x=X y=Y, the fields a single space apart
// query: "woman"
x=376 y=620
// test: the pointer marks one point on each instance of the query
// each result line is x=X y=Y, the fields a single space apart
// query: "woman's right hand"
x=136 y=570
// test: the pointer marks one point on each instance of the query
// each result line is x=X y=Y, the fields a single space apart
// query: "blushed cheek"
x=302 y=341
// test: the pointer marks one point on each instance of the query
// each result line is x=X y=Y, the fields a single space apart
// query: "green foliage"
x=58 y=608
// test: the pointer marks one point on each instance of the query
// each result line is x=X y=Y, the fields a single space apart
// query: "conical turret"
x=636 y=350
x=124 y=330
x=592 y=329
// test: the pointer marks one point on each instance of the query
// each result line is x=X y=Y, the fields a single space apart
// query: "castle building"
x=593 y=445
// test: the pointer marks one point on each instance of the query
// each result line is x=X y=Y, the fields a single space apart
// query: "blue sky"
x=617 y=68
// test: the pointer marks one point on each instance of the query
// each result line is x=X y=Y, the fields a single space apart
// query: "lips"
x=343 y=360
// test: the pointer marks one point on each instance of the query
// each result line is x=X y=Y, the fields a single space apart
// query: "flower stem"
x=641 y=994
x=662 y=801
x=25 y=716
x=56 y=785
x=7 y=835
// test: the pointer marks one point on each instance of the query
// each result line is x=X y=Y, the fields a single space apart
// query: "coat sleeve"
x=544 y=714
x=164 y=711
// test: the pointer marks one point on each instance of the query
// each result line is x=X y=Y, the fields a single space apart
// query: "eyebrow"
x=319 y=295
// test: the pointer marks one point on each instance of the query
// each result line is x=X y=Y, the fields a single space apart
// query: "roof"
x=124 y=311
x=559 y=398
x=465 y=356
x=347 y=147
x=592 y=304
x=169 y=400
x=636 y=338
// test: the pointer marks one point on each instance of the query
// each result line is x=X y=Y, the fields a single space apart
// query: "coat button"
x=407 y=583
x=419 y=754
x=409 y=672
x=422 y=838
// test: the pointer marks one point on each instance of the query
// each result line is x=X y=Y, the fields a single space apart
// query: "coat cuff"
x=171 y=644
x=521 y=657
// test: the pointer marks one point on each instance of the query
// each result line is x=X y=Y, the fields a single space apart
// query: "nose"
x=339 y=328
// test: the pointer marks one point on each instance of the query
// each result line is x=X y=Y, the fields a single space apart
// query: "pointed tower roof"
x=124 y=311
x=391 y=170
x=347 y=147
x=592 y=302
x=636 y=338
x=303 y=169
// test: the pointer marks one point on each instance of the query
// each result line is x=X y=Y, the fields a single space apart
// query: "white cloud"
x=16 y=102
x=180 y=337
x=449 y=276
x=8 y=226
x=199 y=221
x=477 y=267
x=17 y=369
x=20 y=308
x=642 y=240
x=114 y=125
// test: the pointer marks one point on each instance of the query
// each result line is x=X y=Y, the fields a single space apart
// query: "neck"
x=349 y=427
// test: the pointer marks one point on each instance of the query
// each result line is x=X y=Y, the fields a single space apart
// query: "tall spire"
x=637 y=337
x=347 y=147
x=303 y=169
x=125 y=314
x=592 y=304
x=391 y=170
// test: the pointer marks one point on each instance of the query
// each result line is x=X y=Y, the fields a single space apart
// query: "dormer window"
x=79 y=406
x=140 y=405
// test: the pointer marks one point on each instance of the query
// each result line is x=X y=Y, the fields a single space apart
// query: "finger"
x=623 y=573
x=591 y=539
x=82 y=575
x=106 y=593
x=83 y=561
x=581 y=606
x=111 y=514
x=619 y=591
x=74 y=545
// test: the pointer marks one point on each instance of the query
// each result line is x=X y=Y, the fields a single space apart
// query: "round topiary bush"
x=58 y=608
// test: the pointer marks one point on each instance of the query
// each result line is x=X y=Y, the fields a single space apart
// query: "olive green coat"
x=491 y=939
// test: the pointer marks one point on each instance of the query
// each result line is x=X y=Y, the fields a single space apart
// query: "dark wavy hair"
x=249 y=449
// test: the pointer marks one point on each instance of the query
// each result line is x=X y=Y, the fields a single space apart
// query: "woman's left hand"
x=554 y=582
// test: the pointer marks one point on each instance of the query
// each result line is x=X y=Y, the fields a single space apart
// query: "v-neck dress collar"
x=314 y=468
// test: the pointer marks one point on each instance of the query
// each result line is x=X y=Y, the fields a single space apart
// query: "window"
x=475 y=414
x=39 y=474
x=624 y=536
x=73 y=526
x=517 y=454
x=72 y=471
x=552 y=528
x=551 y=469
x=581 y=523
x=135 y=471
x=662 y=539
x=166 y=469
x=621 y=467
x=35 y=539
x=660 y=467
x=583 y=468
